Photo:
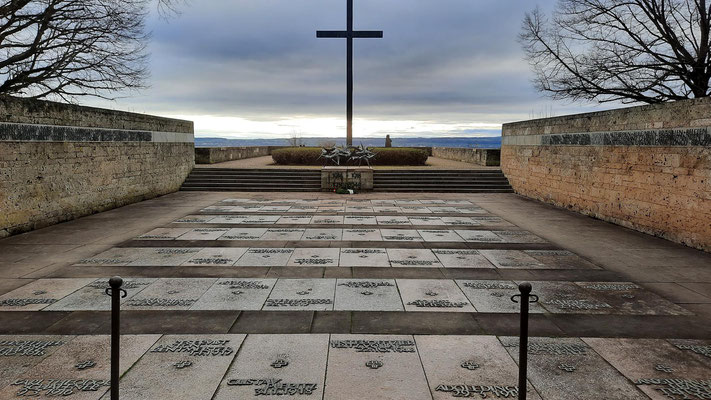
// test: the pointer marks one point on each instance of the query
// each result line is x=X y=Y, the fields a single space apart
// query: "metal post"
x=526 y=298
x=116 y=294
x=349 y=73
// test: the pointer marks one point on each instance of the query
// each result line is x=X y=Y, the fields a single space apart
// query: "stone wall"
x=647 y=168
x=59 y=162
x=488 y=157
x=212 y=155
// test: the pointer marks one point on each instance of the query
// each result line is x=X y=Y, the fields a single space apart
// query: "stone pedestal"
x=357 y=178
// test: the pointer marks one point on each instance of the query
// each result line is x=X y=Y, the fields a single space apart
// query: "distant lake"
x=466 y=142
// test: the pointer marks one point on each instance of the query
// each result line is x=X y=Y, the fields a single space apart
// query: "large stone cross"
x=349 y=34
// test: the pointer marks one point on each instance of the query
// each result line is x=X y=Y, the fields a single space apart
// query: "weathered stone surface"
x=401 y=235
x=170 y=294
x=302 y=294
x=462 y=258
x=323 y=234
x=364 y=257
x=314 y=257
x=433 y=235
x=494 y=296
x=569 y=298
x=203 y=234
x=560 y=259
x=392 y=220
x=511 y=259
x=235 y=294
x=20 y=353
x=216 y=256
x=116 y=257
x=243 y=234
x=413 y=258
x=93 y=296
x=367 y=295
x=163 y=234
x=267 y=257
x=164 y=256
x=433 y=295
x=40 y=294
x=362 y=234
x=629 y=298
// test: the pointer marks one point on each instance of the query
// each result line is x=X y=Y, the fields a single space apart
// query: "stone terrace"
x=407 y=296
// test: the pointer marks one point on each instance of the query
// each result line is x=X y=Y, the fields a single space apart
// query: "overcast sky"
x=254 y=68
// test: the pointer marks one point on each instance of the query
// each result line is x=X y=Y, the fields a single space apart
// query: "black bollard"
x=116 y=294
x=526 y=298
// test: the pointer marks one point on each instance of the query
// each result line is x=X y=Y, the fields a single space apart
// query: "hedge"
x=383 y=156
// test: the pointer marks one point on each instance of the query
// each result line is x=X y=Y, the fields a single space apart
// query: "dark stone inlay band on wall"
x=54 y=133
x=653 y=137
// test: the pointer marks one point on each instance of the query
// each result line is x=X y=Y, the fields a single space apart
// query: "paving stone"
x=203 y=234
x=494 y=296
x=490 y=221
x=277 y=367
x=303 y=209
x=660 y=369
x=458 y=202
x=93 y=296
x=327 y=220
x=374 y=367
x=359 y=209
x=229 y=219
x=426 y=221
x=401 y=235
x=362 y=235
x=181 y=367
x=332 y=209
x=415 y=209
x=386 y=209
x=302 y=294
x=274 y=208
x=407 y=202
x=480 y=236
x=163 y=234
x=359 y=220
x=511 y=259
x=261 y=219
x=170 y=294
x=568 y=369
x=273 y=322
x=432 y=235
x=314 y=257
x=459 y=221
x=283 y=234
x=629 y=298
x=443 y=210
x=469 y=366
x=294 y=220
x=265 y=257
x=40 y=294
x=569 y=298
x=243 y=234
x=699 y=350
x=433 y=295
x=471 y=210
x=197 y=219
x=462 y=258
x=413 y=258
x=323 y=234
x=216 y=256
x=165 y=256
x=561 y=259
x=19 y=353
x=392 y=220
x=367 y=295
x=235 y=294
x=429 y=201
x=364 y=257
x=116 y=257
x=519 y=237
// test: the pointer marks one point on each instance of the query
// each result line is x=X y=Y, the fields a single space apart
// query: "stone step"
x=443 y=190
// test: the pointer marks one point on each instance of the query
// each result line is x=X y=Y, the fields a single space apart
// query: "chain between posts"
x=116 y=294
x=526 y=298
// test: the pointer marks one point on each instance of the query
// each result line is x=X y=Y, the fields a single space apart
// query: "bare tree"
x=68 y=48
x=647 y=51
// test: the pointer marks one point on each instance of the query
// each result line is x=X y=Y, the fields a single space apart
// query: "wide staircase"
x=258 y=180
x=466 y=181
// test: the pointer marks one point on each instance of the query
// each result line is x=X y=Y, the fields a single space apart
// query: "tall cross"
x=349 y=34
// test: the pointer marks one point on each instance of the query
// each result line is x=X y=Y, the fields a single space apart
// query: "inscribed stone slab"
x=560 y=259
x=443 y=210
x=388 y=220
x=629 y=298
x=415 y=210
x=93 y=296
x=116 y=256
x=375 y=367
x=302 y=294
x=569 y=298
x=392 y=210
x=433 y=295
x=265 y=257
x=401 y=235
x=165 y=256
x=243 y=234
x=41 y=293
x=372 y=235
x=382 y=202
x=163 y=234
x=462 y=258
x=229 y=219
x=367 y=295
x=20 y=353
x=480 y=236
x=432 y=201
x=408 y=202
x=327 y=220
x=356 y=220
x=359 y=209
x=511 y=259
x=303 y=209
x=519 y=237
x=261 y=219
x=283 y=234
x=490 y=221
x=274 y=208
x=413 y=258
x=235 y=294
x=426 y=221
x=323 y=234
x=432 y=235
x=216 y=256
x=203 y=234
x=294 y=220
x=181 y=367
x=364 y=258
x=277 y=367
x=459 y=221
x=170 y=294
x=494 y=296
x=314 y=257
x=197 y=219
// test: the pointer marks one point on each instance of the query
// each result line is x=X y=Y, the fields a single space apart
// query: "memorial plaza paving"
x=370 y=296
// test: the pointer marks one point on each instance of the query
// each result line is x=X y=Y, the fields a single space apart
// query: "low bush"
x=383 y=156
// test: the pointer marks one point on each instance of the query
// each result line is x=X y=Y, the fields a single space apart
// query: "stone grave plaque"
x=443 y=210
x=261 y=219
x=356 y=220
x=375 y=367
x=394 y=220
x=41 y=293
x=235 y=294
x=203 y=234
x=479 y=236
x=165 y=256
x=367 y=295
x=237 y=200
x=364 y=258
x=93 y=296
x=195 y=219
x=323 y=234
x=459 y=221
x=243 y=234
x=277 y=367
x=428 y=201
x=471 y=210
x=283 y=234
x=560 y=259
x=359 y=209
x=511 y=259
x=437 y=235
x=391 y=210
x=442 y=295
x=163 y=234
x=79 y=369
x=658 y=368
x=301 y=294
x=458 y=202
x=247 y=208
x=408 y=202
x=415 y=210
x=229 y=219
x=697 y=349
x=462 y=258
x=401 y=235
x=294 y=220
x=170 y=294
x=569 y=298
x=519 y=237
x=371 y=235
x=569 y=369
x=302 y=209
x=426 y=221
x=216 y=256
x=274 y=208
x=314 y=257
x=327 y=220
x=330 y=209
x=117 y=256
x=218 y=209
x=382 y=202
x=20 y=353
x=331 y=203
x=413 y=258
x=491 y=221
x=265 y=257
x=494 y=296
x=629 y=298
x=469 y=366
x=181 y=367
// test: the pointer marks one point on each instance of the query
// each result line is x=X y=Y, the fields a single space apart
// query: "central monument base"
x=356 y=178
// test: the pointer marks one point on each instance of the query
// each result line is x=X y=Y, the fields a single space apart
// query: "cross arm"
x=353 y=34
